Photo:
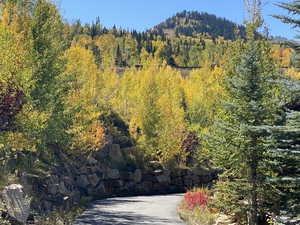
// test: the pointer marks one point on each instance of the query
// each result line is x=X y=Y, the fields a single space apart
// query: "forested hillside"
x=185 y=40
x=195 y=24
x=70 y=93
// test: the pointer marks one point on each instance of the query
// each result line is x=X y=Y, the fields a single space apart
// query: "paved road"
x=149 y=210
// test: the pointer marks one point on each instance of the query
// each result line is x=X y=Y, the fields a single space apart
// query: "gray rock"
x=95 y=169
x=164 y=178
x=155 y=165
x=94 y=179
x=103 y=153
x=16 y=202
x=68 y=180
x=137 y=176
x=82 y=181
x=158 y=172
x=62 y=188
x=145 y=187
x=25 y=182
x=129 y=186
x=118 y=184
x=109 y=139
x=91 y=160
x=198 y=172
x=52 y=179
x=100 y=188
x=83 y=170
x=115 y=154
x=112 y=173
x=188 y=181
x=47 y=206
x=126 y=176
x=53 y=189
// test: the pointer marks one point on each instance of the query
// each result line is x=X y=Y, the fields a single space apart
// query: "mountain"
x=193 y=23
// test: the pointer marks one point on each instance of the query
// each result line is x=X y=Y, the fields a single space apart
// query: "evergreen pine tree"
x=242 y=146
x=285 y=160
x=119 y=60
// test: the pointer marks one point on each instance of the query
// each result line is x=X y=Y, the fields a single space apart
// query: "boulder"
x=137 y=176
x=100 y=189
x=68 y=180
x=188 y=181
x=145 y=187
x=25 y=182
x=155 y=165
x=103 y=153
x=164 y=178
x=129 y=186
x=94 y=179
x=16 y=202
x=83 y=170
x=94 y=169
x=115 y=154
x=112 y=173
x=62 y=188
x=91 y=160
x=149 y=176
x=158 y=172
x=53 y=189
x=52 y=179
x=199 y=172
x=82 y=181
x=126 y=176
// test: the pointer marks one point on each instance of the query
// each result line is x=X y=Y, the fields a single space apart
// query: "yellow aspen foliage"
x=82 y=40
x=15 y=80
x=83 y=76
x=126 y=98
x=144 y=56
x=81 y=65
x=107 y=44
x=150 y=100
x=131 y=50
x=203 y=89
x=173 y=125
x=159 y=48
x=293 y=73
x=13 y=60
x=108 y=87
x=282 y=56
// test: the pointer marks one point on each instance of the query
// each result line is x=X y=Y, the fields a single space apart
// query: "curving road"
x=144 y=210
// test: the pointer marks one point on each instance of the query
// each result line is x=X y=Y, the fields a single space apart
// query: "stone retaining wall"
x=94 y=176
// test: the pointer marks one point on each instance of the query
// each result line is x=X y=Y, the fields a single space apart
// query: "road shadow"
x=115 y=201
x=99 y=214
x=118 y=218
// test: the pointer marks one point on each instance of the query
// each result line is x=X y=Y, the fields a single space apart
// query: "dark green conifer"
x=243 y=133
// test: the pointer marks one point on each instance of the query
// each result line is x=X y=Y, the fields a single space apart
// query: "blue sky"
x=144 y=14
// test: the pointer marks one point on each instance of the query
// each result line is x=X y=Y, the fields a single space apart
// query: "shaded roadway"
x=142 y=210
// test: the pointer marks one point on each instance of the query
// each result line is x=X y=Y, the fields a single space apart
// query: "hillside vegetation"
x=195 y=24
x=237 y=112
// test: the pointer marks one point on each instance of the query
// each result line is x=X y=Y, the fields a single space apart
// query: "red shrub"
x=196 y=199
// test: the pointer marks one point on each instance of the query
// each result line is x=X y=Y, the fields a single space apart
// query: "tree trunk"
x=253 y=212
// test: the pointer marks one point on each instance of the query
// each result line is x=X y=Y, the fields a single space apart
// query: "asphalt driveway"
x=142 y=210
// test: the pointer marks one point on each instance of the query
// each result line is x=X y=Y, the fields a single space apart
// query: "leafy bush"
x=195 y=210
x=196 y=199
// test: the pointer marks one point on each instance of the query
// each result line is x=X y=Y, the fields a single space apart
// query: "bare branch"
x=254 y=8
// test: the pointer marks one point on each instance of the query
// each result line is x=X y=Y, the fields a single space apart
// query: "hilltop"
x=193 y=23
